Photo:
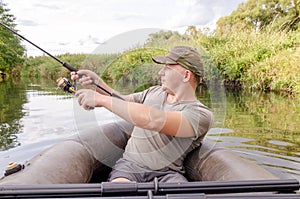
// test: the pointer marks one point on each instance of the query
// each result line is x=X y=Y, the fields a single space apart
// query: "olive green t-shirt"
x=158 y=151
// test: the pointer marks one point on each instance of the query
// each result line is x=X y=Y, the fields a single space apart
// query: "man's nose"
x=161 y=71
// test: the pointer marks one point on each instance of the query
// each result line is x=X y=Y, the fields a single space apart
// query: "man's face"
x=171 y=77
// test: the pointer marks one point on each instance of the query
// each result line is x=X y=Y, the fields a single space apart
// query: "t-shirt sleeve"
x=201 y=119
x=199 y=116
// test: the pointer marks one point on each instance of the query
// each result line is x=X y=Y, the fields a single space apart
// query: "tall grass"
x=265 y=60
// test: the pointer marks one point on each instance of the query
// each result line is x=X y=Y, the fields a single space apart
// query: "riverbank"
x=265 y=61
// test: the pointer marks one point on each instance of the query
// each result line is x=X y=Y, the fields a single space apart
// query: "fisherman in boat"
x=169 y=121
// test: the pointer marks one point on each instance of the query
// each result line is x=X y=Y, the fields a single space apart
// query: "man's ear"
x=187 y=76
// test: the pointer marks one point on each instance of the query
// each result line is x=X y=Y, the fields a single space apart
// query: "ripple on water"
x=274 y=157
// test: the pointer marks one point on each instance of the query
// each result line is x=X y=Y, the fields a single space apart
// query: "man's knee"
x=120 y=180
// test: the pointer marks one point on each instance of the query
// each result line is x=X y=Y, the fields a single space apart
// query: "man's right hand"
x=86 y=77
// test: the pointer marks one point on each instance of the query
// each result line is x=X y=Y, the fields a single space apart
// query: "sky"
x=81 y=26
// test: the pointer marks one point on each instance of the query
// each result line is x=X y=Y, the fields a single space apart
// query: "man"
x=168 y=120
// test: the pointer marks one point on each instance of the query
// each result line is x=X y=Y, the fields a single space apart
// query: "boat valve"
x=13 y=167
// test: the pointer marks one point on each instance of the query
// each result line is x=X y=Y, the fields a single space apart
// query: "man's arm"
x=172 y=123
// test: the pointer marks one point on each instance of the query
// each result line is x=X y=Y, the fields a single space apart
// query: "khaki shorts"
x=133 y=172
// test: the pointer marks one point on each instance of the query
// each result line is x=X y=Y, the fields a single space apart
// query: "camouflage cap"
x=185 y=56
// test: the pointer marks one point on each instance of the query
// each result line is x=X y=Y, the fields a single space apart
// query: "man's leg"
x=172 y=177
x=121 y=180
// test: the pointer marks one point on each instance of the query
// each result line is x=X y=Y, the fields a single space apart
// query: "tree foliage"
x=167 y=40
x=256 y=15
x=11 y=50
x=123 y=66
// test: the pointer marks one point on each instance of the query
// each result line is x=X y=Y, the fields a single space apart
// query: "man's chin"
x=166 y=90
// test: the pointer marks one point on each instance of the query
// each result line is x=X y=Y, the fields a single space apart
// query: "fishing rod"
x=65 y=64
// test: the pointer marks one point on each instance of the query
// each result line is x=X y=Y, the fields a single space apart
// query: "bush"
x=264 y=60
x=129 y=61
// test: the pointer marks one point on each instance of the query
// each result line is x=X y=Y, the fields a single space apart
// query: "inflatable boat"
x=86 y=158
x=80 y=159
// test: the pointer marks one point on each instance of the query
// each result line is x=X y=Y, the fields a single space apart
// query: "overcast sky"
x=80 y=26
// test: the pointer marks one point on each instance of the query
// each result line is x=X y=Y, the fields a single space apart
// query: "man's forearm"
x=171 y=123
x=138 y=114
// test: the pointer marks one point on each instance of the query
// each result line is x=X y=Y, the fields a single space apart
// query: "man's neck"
x=173 y=98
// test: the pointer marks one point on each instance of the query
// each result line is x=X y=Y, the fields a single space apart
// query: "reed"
x=263 y=60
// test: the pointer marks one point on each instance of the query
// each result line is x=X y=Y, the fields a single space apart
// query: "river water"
x=263 y=127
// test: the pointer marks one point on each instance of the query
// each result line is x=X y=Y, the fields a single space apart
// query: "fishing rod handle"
x=69 y=67
x=106 y=91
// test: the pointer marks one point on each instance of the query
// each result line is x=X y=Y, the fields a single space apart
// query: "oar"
x=65 y=64
x=134 y=189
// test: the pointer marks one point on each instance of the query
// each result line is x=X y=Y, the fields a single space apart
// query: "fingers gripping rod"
x=65 y=64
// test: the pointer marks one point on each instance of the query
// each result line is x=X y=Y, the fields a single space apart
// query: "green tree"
x=165 y=39
x=11 y=50
x=256 y=15
x=292 y=20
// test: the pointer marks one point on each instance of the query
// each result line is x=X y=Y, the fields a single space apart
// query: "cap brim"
x=163 y=60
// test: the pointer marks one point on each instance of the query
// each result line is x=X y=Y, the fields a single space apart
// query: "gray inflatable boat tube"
x=75 y=159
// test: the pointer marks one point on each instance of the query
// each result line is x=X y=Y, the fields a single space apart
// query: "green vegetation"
x=47 y=67
x=260 y=60
x=256 y=47
x=134 y=70
x=262 y=15
x=128 y=61
x=11 y=51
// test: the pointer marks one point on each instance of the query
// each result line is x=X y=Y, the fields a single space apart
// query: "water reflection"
x=12 y=99
x=263 y=128
x=48 y=117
